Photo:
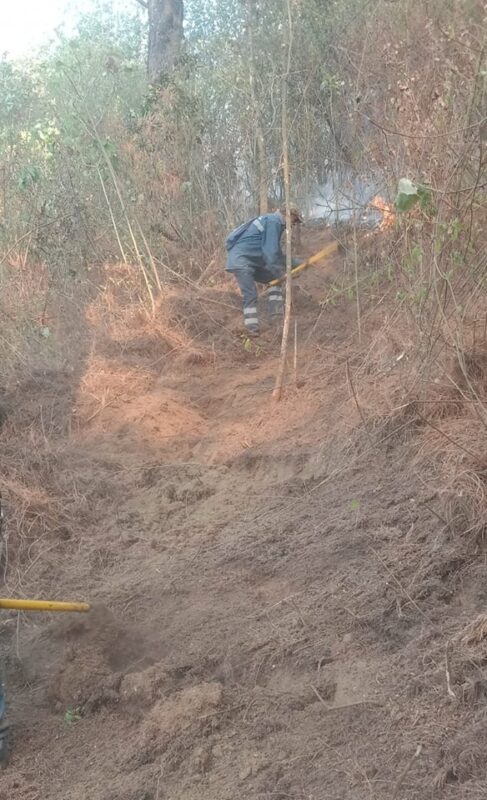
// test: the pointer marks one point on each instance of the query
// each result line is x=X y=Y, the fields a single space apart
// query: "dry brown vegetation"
x=289 y=599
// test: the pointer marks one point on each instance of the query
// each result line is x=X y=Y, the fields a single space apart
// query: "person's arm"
x=271 y=245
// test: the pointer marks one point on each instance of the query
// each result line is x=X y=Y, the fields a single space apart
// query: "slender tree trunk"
x=165 y=36
x=262 y=161
x=262 y=188
x=277 y=393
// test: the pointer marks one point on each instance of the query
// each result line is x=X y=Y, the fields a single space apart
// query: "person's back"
x=259 y=244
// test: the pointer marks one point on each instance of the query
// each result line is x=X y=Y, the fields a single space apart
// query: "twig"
x=354 y=395
x=17 y=636
x=348 y=466
x=150 y=256
x=355 y=266
x=4 y=256
x=293 y=603
x=450 y=691
x=320 y=698
x=343 y=705
x=295 y=351
x=101 y=408
x=446 y=436
x=402 y=776
x=399 y=585
x=427 y=137
x=112 y=217
x=277 y=393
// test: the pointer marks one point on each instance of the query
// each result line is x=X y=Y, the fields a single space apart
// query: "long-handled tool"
x=327 y=251
x=27 y=605
x=43 y=605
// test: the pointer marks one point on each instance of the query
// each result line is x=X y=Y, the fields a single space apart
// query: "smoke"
x=344 y=197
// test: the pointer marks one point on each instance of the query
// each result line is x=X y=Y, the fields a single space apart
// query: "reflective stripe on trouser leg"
x=250 y=317
x=245 y=279
x=275 y=301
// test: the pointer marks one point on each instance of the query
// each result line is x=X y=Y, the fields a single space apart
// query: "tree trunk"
x=165 y=36
x=277 y=393
x=262 y=158
x=260 y=144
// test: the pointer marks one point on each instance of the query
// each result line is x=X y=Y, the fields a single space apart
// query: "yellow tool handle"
x=42 y=605
x=327 y=251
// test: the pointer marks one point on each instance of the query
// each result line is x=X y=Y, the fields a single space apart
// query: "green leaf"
x=407 y=195
x=425 y=202
x=29 y=176
x=407 y=187
x=72 y=715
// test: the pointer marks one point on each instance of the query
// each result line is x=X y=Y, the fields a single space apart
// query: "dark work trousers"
x=246 y=278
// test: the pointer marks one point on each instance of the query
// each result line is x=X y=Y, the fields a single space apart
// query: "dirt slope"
x=274 y=592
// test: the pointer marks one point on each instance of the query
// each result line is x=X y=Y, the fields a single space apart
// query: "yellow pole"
x=42 y=605
x=327 y=251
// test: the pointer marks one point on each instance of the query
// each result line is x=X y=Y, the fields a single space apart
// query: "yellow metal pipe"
x=327 y=251
x=42 y=605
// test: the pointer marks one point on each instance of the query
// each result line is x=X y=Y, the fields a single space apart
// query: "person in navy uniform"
x=255 y=256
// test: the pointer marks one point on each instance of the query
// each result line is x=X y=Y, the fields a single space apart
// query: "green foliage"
x=250 y=345
x=28 y=176
x=409 y=195
x=413 y=259
x=72 y=716
x=48 y=149
x=89 y=152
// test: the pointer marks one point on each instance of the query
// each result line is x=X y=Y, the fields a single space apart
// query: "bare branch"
x=277 y=393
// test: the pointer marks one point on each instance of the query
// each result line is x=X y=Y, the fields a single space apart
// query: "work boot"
x=252 y=332
x=251 y=320
x=275 y=302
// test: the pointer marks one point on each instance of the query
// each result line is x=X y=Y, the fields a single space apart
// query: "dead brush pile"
x=417 y=377
x=106 y=383
x=43 y=346
x=189 y=320
x=454 y=440
x=422 y=366
x=68 y=353
x=42 y=521
x=449 y=437
x=32 y=514
x=26 y=318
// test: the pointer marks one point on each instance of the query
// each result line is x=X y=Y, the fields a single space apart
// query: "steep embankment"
x=275 y=590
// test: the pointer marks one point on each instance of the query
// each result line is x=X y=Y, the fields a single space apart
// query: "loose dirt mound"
x=281 y=608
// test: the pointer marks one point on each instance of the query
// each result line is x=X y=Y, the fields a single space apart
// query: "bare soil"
x=278 y=602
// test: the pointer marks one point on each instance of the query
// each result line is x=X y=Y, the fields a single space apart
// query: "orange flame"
x=387 y=211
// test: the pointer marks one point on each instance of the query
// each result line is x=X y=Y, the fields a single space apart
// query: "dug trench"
x=278 y=605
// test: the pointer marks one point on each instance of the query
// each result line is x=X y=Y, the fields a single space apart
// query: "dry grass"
x=440 y=401
x=103 y=350
x=457 y=449
x=475 y=632
x=106 y=383
x=190 y=321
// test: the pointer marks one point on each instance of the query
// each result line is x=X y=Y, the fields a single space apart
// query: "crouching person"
x=255 y=256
